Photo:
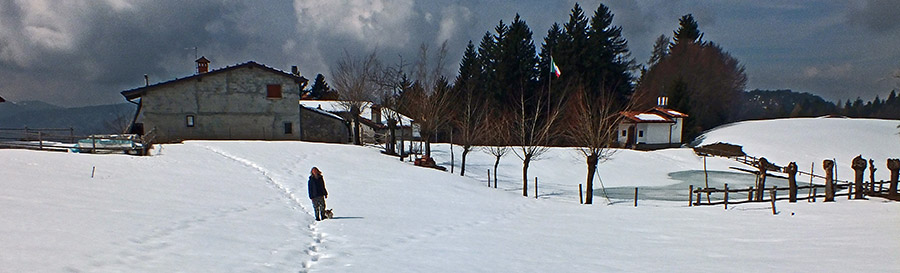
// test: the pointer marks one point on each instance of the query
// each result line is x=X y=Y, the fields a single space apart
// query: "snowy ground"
x=219 y=206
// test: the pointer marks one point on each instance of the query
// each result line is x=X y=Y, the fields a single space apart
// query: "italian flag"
x=553 y=68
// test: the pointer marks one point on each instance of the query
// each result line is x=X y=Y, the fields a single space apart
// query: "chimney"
x=146 y=80
x=295 y=71
x=662 y=101
x=202 y=65
x=376 y=114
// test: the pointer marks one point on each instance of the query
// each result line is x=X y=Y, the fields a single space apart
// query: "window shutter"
x=273 y=91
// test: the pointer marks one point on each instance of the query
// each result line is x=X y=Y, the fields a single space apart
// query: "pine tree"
x=660 y=50
x=517 y=66
x=715 y=79
x=319 y=87
x=488 y=53
x=688 y=31
x=609 y=60
x=551 y=42
x=571 y=53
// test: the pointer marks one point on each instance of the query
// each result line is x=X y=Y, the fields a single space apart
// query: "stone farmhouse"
x=656 y=128
x=247 y=101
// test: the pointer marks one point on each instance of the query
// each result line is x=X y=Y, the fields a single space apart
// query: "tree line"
x=508 y=97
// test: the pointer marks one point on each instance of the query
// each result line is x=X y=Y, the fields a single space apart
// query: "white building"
x=657 y=128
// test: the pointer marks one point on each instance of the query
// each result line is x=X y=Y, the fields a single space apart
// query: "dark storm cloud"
x=877 y=15
x=83 y=52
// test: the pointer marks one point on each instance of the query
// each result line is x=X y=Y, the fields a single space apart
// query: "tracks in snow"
x=315 y=247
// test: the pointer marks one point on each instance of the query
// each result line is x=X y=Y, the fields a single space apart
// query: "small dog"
x=329 y=214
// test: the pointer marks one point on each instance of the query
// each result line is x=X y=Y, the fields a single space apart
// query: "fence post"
x=872 y=175
x=812 y=172
x=791 y=170
x=489 y=178
x=773 y=193
x=828 y=165
x=535 y=187
x=859 y=166
x=750 y=194
x=814 y=192
x=726 y=196
x=893 y=164
x=698 y=199
x=760 y=187
x=691 y=195
x=40 y=140
x=580 y=195
x=635 y=196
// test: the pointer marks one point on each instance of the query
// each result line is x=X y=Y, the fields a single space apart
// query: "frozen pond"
x=679 y=191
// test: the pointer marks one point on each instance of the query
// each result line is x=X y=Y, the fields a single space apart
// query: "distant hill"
x=99 y=119
x=766 y=104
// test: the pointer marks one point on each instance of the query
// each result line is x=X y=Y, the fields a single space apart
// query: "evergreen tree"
x=609 y=59
x=517 y=61
x=688 y=31
x=470 y=68
x=571 y=53
x=660 y=50
x=715 y=79
x=487 y=57
x=319 y=87
x=551 y=42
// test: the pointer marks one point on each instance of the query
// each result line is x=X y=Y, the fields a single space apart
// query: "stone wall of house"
x=320 y=127
x=228 y=105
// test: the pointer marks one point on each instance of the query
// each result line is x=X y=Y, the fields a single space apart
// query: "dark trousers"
x=319 y=206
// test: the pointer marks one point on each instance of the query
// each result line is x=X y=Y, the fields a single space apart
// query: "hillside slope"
x=230 y=206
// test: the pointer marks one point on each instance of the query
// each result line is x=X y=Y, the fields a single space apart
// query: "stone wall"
x=323 y=127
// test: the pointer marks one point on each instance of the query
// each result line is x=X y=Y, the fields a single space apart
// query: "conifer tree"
x=688 y=31
x=319 y=87
x=609 y=59
x=468 y=102
x=660 y=50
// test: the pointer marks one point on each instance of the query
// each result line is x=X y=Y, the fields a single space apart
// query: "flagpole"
x=549 y=80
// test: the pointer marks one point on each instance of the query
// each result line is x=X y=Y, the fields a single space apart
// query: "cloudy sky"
x=84 y=52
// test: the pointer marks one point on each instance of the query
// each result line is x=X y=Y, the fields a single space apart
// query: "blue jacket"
x=316 y=187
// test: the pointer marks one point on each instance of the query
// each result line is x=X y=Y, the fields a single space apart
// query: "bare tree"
x=497 y=127
x=392 y=81
x=428 y=100
x=470 y=120
x=356 y=86
x=119 y=123
x=534 y=128
x=593 y=126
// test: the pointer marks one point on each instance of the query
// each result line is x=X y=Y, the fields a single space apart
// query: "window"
x=189 y=120
x=288 y=128
x=273 y=91
x=641 y=133
x=624 y=132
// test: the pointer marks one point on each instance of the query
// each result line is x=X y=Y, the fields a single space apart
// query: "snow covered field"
x=228 y=206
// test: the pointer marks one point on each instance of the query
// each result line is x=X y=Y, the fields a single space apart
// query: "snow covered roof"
x=643 y=117
x=650 y=117
x=334 y=106
x=669 y=112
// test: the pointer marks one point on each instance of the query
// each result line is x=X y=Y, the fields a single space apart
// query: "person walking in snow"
x=317 y=192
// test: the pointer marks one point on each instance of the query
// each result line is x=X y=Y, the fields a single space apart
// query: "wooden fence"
x=64 y=140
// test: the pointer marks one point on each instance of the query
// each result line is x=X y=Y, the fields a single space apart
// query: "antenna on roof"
x=195 y=51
